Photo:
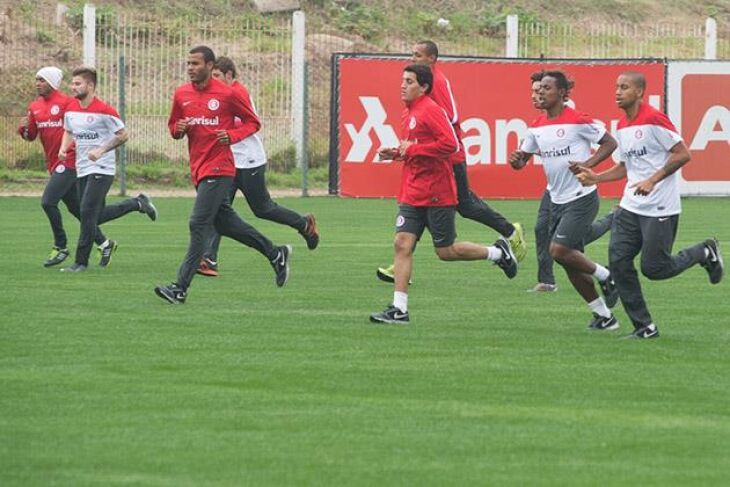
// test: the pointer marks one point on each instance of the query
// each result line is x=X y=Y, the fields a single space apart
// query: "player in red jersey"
x=428 y=194
x=44 y=120
x=470 y=205
x=250 y=159
x=205 y=110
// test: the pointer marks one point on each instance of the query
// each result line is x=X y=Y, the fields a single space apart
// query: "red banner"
x=493 y=99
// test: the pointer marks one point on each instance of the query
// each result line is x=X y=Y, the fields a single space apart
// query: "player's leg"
x=545 y=275
x=209 y=263
x=625 y=244
x=54 y=192
x=72 y=200
x=599 y=228
x=141 y=204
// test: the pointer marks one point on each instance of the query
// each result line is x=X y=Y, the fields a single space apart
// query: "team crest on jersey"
x=213 y=104
x=60 y=168
x=639 y=134
x=412 y=123
x=560 y=133
x=90 y=119
x=399 y=221
x=55 y=109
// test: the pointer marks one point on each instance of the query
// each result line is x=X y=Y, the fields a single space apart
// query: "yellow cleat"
x=518 y=243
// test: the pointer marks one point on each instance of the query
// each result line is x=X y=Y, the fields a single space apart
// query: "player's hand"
x=25 y=122
x=517 y=160
x=643 y=188
x=223 y=137
x=586 y=176
x=387 y=153
x=181 y=126
x=403 y=147
x=62 y=155
x=575 y=166
x=95 y=154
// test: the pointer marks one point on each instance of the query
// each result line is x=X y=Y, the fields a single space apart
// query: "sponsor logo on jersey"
x=48 y=124
x=213 y=104
x=204 y=121
x=555 y=152
x=637 y=152
x=86 y=135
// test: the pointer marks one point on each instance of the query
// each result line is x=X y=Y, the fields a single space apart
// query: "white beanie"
x=51 y=74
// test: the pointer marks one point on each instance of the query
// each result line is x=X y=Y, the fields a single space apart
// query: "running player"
x=563 y=138
x=652 y=151
x=250 y=159
x=96 y=130
x=204 y=110
x=427 y=197
x=470 y=205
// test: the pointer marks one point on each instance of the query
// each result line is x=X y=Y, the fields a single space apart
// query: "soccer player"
x=545 y=276
x=427 y=197
x=204 y=110
x=250 y=159
x=563 y=138
x=469 y=205
x=646 y=222
x=44 y=120
x=96 y=130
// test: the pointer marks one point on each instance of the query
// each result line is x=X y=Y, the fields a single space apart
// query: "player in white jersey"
x=651 y=151
x=563 y=138
x=96 y=130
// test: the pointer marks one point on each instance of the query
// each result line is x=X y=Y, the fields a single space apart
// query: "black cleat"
x=74 y=268
x=508 y=262
x=146 y=206
x=603 y=324
x=106 y=253
x=714 y=265
x=56 y=257
x=648 y=331
x=311 y=233
x=391 y=315
x=173 y=293
x=610 y=292
x=281 y=264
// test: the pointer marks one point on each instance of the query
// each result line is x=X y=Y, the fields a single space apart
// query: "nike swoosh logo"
x=663 y=219
x=186 y=103
x=398 y=316
x=560 y=236
x=210 y=180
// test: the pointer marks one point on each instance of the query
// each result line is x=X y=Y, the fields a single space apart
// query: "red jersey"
x=45 y=118
x=443 y=96
x=209 y=110
x=427 y=178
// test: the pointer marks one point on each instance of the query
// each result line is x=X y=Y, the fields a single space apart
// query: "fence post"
x=89 y=34
x=513 y=36
x=122 y=150
x=710 y=38
x=297 y=85
x=305 y=134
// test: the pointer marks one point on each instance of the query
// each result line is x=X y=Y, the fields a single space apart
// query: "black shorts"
x=438 y=219
x=571 y=222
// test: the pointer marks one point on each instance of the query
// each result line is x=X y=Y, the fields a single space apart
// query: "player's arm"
x=66 y=142
x=606 y=145
x=176 y=123
x=28 y=129
x=519 y=159
x=444 y=142
x=120 y=137
x=678 y=157
x=250 y=123
x=588 y=177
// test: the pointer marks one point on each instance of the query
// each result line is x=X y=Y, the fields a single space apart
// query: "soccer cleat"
x=543 y=287
x=714 y=265
x=146 y=206
x=508 y=262
x=56 y=256
x=74 y=268
x=644 y=332
x=173 y=293
x=602 y=323
x=106 y=253
x=310 y=233
x=387 y=274
x=518 y=243
x=610 y=292
x=392 y=315
x=207 y=267
x=281 y=264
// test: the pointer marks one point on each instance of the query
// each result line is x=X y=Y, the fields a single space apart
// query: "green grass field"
x=102 y=383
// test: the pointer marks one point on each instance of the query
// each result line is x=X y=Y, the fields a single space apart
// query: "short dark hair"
x=537 y=76
x=431 y=48
x=424 y=76
x=637 y=78
x=225 y=65
x=86 y=72
x=207 y=52
x=561 y=80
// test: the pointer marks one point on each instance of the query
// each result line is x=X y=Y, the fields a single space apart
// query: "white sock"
x=601 y=273
x=707 y=253
x=400 y=301
x=599 y=307
x=494 y=254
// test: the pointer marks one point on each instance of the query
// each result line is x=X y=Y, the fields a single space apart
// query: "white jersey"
x=559 y=142
x=644 y=144
x=249 y=152
x=92 y=127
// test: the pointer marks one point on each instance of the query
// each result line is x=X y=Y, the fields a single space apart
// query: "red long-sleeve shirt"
x=427 y=178
x=45 y=118
x=208 y=110
x=442 y=94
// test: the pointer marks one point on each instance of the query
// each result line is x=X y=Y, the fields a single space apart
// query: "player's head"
x=224 y=70
x=535 y=83
x=630 y=87
x=47 y=80
x=425 y=52
x=417 y=81
x=83 y=82
x=200 y=64
x=554 y=89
